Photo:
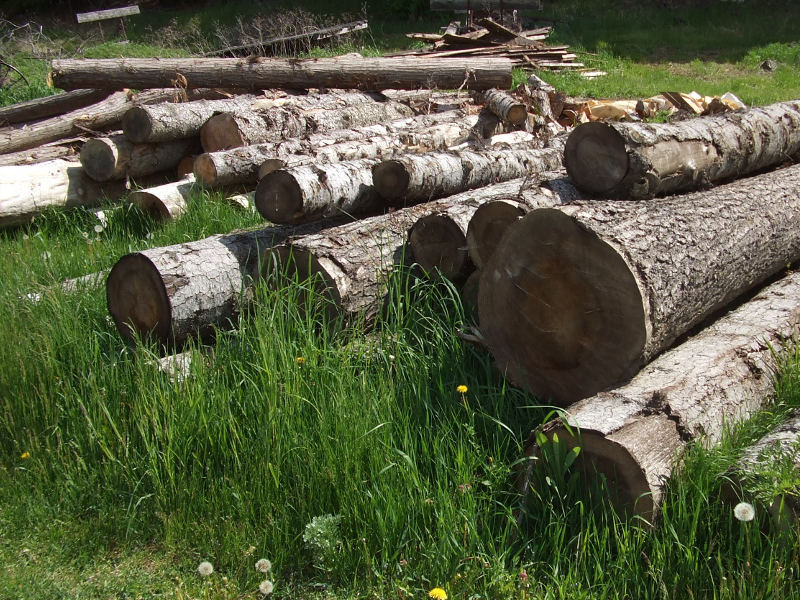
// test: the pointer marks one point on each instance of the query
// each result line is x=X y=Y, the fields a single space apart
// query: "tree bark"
x=505 y=106
x=307 y=193
x=362 y=73
x=438 y=241
x=241 y=165
x=642 y=160
x=165 y=202
x=64 y=150
x=27 y=190
x=99 y=116
x=633 y=435
x=58 y=104
x=492 y=219
x=165 y=122
x=576 y=300
x=176 y=292
x=414 y=178
x=115 y=157
x=245 y=128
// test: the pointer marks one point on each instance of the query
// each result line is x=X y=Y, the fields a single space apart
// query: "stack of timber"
x=526 y=49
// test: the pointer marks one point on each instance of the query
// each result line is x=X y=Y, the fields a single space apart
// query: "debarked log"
x=641 y=160
x=116 y=157
x=634 y=435
x=361 y=73
x=576 y=300
x=415 y=178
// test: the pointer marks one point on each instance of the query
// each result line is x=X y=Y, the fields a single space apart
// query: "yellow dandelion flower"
x=438 y=594
x=25 y=455
x=300 y=360
x=462 y=389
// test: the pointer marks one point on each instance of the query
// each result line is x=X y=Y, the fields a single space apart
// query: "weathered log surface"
x=438 y=241
x=633 y=435
x=95 y=117
x=307 y=193
x=245 y=128
x=505 y=106
x=241 y=165
x=116 y=157
x=63 y=149
x=362 y=73
x=421 y=177
x=642 y=160
x=172 y=121
x=165 y=202
x=177 y=292
x=57 y=104
x=576 y=300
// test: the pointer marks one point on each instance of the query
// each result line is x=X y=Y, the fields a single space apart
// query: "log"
x=95 y=117
x=362 y=73
x=460 y=5
x=176 y=292
x=576 y=300
x=634 y=435
x=438 y=241
x=413 y=178
x=116 y=157
x=165 y=122
x=505 y=106
x=57 y=104
x=642 y=160
x=27 y=190
x=63 y=149
x=307 y=193
x=753 y=477
x=242 y=165
x=165 y=202
x=111 y=13
x=245 y=128
x=491 y=220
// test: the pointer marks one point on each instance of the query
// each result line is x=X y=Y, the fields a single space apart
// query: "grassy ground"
x=351 y=461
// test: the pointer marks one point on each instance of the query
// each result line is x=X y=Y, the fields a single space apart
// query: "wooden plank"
x=111 y=13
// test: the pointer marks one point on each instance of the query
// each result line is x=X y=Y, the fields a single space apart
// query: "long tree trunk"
x=307 y=193
x=576 y=300
x=414 y=178
x=64 y=150
x=362 y=73
x=491 y=220
x=438 y=241
x=58 y=104
x=181 y=291
x=27 y=190
x=505 y=106
x=642 y=160
x=633 y=435
x=115 y=157
x=165 y=202
x=99 y=116
x=173 y=121
x=241 y=165
x=760 y=473
x=245 y=128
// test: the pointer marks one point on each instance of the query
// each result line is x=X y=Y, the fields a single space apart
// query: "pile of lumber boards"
x=490 y=38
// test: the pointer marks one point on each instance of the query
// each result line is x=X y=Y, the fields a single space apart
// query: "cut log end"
x=439 y=246
x=205 y=171
x=487 y=227
x=625 y=480
x=279 y=198
x=98 y=159
x=570 y=300
x=185 y=166
x=596 y=158
x=137 y=299
x=390 y=179
x=151 y=204
x=136 y=125
x=517 y=114
x=220 y=133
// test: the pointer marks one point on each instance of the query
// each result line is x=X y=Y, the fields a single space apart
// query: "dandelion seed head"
x=744 y=511
x=266 y=587
x=437 y=594
x=462 y=389
x=85 y=235
x=24 y=236
x=205 y=568
x=98 y=228
x=263 y=565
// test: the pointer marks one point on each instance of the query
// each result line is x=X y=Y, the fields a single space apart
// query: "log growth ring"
x=137 y=299
x=136 y=125
x=596 y=158
x=560 y=309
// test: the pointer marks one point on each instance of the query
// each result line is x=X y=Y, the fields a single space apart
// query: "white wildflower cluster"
x=264 y=566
